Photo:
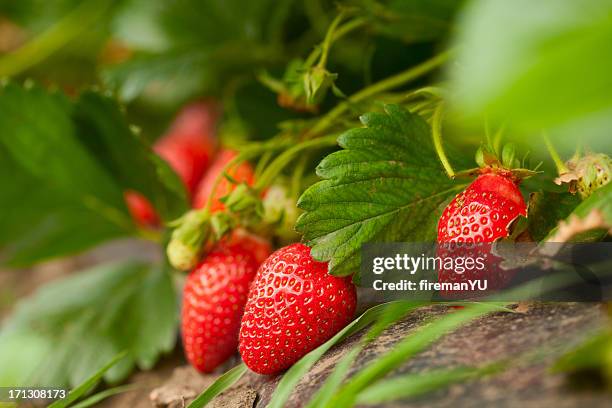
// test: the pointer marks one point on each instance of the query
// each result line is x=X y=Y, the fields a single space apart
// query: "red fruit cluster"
x=189 y=148
x=480 y=215
x=293 y=307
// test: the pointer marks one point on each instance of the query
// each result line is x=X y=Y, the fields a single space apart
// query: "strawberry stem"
x=436 y=132
x=329 y=39
x=287 y=156
x=246 y=154
x=561 y=168
x=381 y=86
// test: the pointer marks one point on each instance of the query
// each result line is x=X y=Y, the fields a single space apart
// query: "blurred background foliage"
x=68 y=149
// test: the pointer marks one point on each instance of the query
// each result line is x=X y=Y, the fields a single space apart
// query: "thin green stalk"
x=285 y=158
x=262 y=163
x=336 y=35
x=246 y=154
x=561 y=168
x=329 y=39
x=381 y=86
x=497 y=138
x=436 y=131
x=487 y=130
x=298 y=174
x=54 y=38
x=348 y=27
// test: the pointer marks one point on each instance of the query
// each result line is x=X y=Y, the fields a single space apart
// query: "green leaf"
x=193 y=50
x=88 y=384
x=299 y=369
x=221 y=384
x=37 y=130
x=78 y=323
x=546 y=209
x=409 y=346
x=537 y=64
x=175 y=73
x=64 y=166
x=600 y=200
x=412 y=385
x=40 y=222
x=106 y=134
x=411 y=21
x=386 y=185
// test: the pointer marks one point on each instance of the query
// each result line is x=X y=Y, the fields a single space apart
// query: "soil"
x=540 y=333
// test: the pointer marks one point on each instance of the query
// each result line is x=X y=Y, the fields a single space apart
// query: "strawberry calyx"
x=516 y=175
x=505 y=165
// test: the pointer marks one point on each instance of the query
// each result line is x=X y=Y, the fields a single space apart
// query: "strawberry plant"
x=210 y=172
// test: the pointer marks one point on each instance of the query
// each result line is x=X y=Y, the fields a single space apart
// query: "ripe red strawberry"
x=293 y=307
x=483 y=212
x=480 y=214
x=259 y=247
x=242 y=173
x=188 y=147
x=141 y=209
x=213 y=301
x=196 y=120
x=189 y=144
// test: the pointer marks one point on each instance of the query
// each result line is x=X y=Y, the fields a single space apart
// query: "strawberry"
x=259 y=247
x=187 y=147
x=197 y=120
x=243 y=173
x=481 y=214
x=293 y=307
x=213 y=301
x=141 y=209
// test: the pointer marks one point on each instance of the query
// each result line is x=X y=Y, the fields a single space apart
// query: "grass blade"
x=412 y=385
x=406 y=348
x=393 y=313
x=299 y=369
x=326 y=392
x=88 y=384
x=221 y=384
x=102 y=395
